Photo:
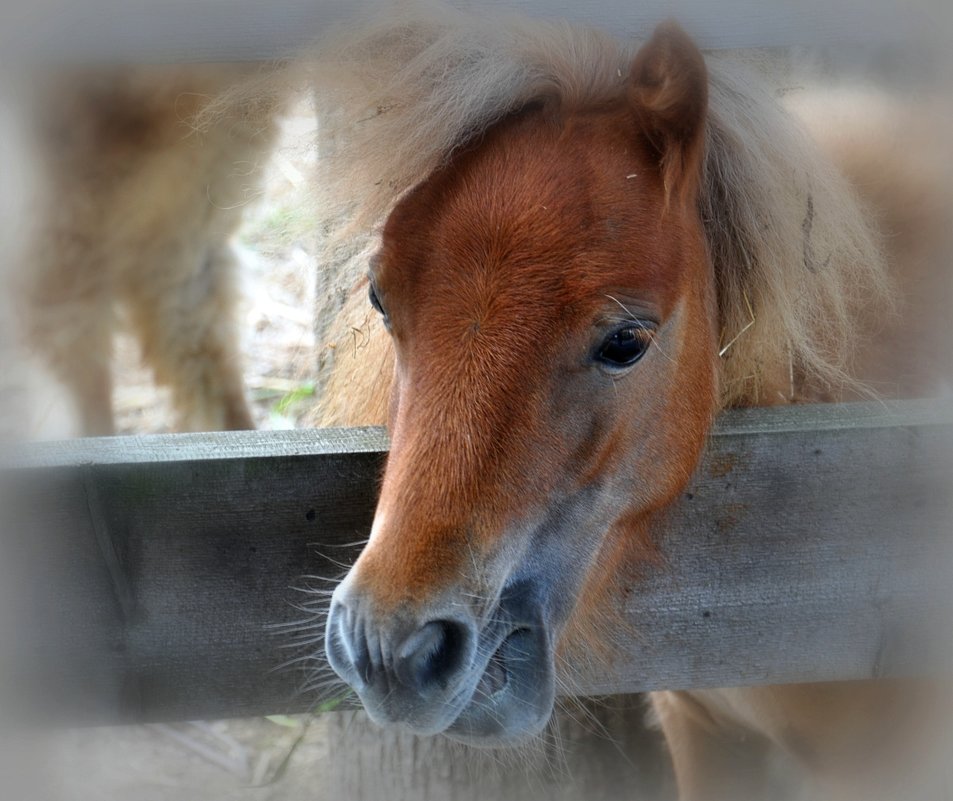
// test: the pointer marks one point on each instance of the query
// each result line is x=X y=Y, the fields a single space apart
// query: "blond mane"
x=795 y=259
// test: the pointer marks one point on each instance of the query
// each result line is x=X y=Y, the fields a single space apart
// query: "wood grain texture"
x=240 y=30
x=144 y=576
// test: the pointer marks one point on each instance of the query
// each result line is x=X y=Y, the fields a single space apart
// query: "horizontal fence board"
x=239 y=30
x=146 y=576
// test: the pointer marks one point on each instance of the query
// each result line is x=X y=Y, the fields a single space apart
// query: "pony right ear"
x=668 y=90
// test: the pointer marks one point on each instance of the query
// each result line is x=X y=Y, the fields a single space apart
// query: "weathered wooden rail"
x=143 y=577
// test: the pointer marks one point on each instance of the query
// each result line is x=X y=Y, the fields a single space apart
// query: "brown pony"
x=587 y=253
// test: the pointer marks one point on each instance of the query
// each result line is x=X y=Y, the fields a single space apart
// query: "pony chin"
x=521 y=708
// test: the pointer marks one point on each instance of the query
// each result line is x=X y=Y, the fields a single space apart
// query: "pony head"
x=551 y=304
x=555 y=285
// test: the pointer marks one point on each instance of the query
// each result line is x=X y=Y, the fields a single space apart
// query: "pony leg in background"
x=141 y=201
x=18 y=180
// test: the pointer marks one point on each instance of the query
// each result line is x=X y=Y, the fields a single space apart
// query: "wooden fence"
x=144 y=577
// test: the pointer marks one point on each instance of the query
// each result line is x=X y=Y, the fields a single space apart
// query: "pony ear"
x=668 y=90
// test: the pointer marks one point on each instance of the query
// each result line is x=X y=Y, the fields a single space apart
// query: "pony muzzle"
x=444 y=671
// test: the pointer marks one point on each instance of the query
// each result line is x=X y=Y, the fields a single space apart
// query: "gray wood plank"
x=795 y=556
x=219 y=445
x=146 y=578
x=211 y=30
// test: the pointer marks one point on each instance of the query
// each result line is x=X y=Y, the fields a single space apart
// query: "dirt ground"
x=279 y=759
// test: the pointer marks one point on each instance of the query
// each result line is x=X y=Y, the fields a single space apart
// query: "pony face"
x=550 y=300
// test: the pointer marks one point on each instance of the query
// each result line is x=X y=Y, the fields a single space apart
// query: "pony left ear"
x=668 y=90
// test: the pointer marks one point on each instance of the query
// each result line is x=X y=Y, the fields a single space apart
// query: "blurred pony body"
x=136 y=207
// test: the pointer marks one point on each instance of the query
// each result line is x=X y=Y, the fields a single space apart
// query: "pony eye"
x=625 y=346
x=375 y=301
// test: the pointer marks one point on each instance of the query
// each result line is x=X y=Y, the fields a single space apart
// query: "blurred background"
x=69 y=94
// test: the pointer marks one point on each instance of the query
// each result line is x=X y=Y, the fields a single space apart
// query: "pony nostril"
x=347 y=649
x=372 y=660
x=362 y=662
x=431 y=656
